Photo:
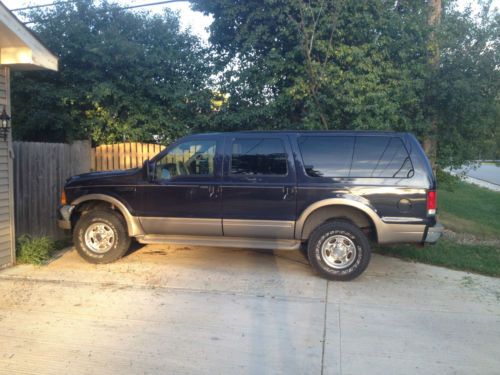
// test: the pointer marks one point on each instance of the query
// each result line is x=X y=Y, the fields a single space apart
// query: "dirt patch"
x=469 y=239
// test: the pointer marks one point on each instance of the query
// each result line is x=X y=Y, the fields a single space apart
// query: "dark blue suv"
x=327 y=193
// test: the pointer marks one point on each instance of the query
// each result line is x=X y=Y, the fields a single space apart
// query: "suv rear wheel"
x=101 y=236
x=338 y=250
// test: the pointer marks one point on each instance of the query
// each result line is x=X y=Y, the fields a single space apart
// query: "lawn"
x=465 y=209
x=482 y=259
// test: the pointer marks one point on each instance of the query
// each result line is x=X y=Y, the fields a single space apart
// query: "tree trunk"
x=430 y=140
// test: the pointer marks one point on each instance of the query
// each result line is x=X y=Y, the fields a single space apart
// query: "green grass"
x=463 y=208
x=467 y=208
x=475 y=258
x=37 y=250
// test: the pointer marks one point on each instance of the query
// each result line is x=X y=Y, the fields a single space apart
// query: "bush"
x=446 y=180
x=34 y=250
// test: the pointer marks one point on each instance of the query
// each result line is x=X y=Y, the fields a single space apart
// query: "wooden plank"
x=106 y=158
x=135 y=162
x=98 y=164
x=145 y=154
x=121 y=152
x=116 y=156
x=127 y=155
x=111 y=158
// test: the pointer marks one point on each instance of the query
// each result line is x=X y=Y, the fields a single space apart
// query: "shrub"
x=446 y=180
x=34 y=250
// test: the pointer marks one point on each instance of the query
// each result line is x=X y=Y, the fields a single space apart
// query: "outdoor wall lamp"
x=4 y=124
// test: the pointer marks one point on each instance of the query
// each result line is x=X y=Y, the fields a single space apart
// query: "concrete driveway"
x=177 y=310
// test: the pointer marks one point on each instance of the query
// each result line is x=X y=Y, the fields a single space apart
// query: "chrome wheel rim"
x=338 y=251
x=99 y=238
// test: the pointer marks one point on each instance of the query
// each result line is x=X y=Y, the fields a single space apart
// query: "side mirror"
x=149 y=168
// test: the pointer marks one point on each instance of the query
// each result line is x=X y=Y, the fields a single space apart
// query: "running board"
x=217 y=241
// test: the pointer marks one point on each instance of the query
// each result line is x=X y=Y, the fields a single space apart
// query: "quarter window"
x=381 y=157
x=193 y=158
x=360 y=156
x=262 y=156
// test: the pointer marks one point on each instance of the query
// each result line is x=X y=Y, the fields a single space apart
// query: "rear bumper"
x=64 y=216
x=434 y=233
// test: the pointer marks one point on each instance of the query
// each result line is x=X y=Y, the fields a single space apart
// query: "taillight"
x=63 y=198
x=431 y=202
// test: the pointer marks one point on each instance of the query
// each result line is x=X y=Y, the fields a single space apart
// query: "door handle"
x=285 y=192
x=288 y=191
x=211 y=191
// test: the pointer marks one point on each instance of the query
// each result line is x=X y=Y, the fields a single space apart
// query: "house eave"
x=20 y=48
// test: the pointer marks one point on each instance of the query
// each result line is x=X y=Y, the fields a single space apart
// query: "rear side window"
x=259 y=156
x=381 y=157
x=327 y=156
x=360 y=156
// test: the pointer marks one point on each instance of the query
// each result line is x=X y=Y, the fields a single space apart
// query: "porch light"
x=4 y=124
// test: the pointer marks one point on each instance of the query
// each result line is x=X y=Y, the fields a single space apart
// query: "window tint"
x=362 y=156
x=193 y=158
x=327 y=156
x=380 y=157
x=264 y=156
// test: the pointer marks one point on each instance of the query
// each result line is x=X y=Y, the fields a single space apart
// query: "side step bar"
x=217 y=241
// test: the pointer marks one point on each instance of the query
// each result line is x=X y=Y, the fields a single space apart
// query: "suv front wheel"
x=338 y=250
x=101 y=236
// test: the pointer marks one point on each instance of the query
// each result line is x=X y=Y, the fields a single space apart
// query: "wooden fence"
x=122 y=155
x=40 y=170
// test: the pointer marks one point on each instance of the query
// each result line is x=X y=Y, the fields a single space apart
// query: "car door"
x=259 y=186
x=183 y=196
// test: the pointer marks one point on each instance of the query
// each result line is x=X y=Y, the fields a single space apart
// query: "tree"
x=434 y=20
x=123 y=76
x=464 y=93
x=369 y=64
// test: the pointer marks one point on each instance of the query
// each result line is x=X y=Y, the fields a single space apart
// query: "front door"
x=184 y=198
x=259 y=187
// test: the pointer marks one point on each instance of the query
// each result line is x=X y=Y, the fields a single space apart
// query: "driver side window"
x=192 y=158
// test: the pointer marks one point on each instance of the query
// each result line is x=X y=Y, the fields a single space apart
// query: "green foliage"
x=358 y=65
x=467 y=257
x=446 y=181
x=34 y=250
x=320 y=64
x=464 y=93
x=123 y=76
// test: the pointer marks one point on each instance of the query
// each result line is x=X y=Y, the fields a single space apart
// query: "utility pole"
x=434 y=19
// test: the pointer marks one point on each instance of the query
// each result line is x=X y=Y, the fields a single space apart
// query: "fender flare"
x=369 y=211
x=133 y=225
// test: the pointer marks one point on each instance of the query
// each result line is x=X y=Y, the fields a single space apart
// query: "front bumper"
x=434 y=233
x=64 y=216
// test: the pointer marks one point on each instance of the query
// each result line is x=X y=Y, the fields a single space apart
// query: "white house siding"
x=6 y=201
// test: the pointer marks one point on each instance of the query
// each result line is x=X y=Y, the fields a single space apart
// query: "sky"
x=196 y=21
x=188 y=18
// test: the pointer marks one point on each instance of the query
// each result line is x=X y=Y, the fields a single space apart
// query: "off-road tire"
x=343 y=228
x=111 y=219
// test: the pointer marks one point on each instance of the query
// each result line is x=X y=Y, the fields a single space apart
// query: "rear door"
x=259 y=186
